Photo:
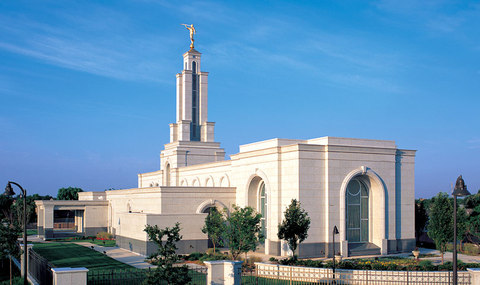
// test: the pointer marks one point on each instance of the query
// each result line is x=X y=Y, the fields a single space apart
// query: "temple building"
x=363 y=187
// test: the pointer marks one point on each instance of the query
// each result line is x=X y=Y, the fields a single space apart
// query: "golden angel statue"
x=192 y=32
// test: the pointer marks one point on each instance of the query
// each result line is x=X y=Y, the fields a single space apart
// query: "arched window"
x=262 y=207
x=167 y=175
x=357 y=211
x=194 y=67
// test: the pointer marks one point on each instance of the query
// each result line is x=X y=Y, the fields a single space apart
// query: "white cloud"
x=73 y=48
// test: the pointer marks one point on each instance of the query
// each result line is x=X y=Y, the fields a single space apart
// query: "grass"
x=74 y=255
x=31 y=232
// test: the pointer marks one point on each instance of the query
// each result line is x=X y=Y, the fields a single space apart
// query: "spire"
x=192 y=102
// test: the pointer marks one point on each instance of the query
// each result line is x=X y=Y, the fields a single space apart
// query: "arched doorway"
x=363 y=220
x=258 y=199
x=357 y=205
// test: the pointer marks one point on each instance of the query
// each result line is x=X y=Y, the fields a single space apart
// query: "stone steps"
x=359 y=249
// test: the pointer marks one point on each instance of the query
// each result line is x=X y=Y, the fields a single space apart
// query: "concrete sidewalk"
x=120 y=254
x=448 y=256
x=131 y=258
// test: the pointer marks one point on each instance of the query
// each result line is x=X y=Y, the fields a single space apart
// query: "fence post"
x=22 y=260
x=474 y=275
x=70 y=276
x=224 y=272
x=291 y=275
x=278 y=272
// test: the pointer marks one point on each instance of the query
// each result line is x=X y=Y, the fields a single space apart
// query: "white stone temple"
x=364 y=187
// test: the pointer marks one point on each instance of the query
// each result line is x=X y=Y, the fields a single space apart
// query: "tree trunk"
x=442 y=258
x=10 y=258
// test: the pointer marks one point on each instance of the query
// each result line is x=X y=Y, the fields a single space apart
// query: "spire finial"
x=192 y=32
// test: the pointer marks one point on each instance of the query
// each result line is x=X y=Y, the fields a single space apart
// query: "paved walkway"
x=120 y=254
x=448 y=256
x=126 y=256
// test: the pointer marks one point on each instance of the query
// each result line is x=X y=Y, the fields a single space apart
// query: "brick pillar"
x=224 y=272
x=70 y=276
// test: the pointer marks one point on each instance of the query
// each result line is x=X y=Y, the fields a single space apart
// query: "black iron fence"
x=137 y=276
x=40 y=268
x=113 y=277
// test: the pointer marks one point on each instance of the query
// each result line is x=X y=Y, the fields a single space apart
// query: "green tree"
x=6 y=203
x=294 y=228
x=8 y=239
x=473 y=221
x=243 y=231
x=472 y=201
x=214 y=227
x=440 y=226
x=70 y=193
x=9 y=230
x=166 y=256
x=421 y=218
x=17 y=210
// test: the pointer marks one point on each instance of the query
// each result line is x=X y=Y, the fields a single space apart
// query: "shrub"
x=288 y=261
x=195 y=256
x=211 y=251
x=310 y=263
x=273 y=259
x=347 y=265
x=104 y=236
x=447 y=266
x=216 y=256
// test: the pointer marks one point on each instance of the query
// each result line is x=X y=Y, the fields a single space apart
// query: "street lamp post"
x=460 y=191
x=9 y=192
x=335 y=232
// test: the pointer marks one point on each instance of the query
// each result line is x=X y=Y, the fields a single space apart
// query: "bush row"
x=400 y=264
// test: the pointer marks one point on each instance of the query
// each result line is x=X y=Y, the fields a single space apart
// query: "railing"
x=112 y=277
x=40 y=268
x=280 y=274
x=136 y=276
x=64 y=225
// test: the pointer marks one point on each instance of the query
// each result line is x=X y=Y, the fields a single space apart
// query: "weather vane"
x=192 y=32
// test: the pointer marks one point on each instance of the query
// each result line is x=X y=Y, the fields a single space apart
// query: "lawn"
x=74 y=255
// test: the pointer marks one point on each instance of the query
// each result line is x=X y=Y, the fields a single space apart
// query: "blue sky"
x=88 y=88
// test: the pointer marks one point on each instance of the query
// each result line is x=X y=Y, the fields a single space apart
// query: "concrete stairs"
x=360 y=249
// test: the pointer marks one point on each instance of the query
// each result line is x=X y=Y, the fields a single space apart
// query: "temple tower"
x=192 y=136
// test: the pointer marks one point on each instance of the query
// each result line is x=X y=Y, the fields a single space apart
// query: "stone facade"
x=267 y=175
